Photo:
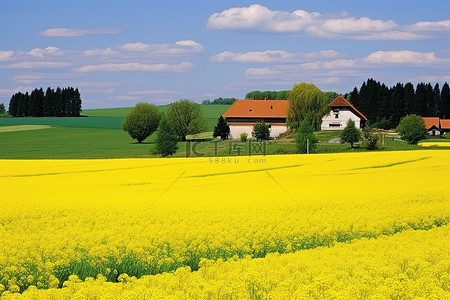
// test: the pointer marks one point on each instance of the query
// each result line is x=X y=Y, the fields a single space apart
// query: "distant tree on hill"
x=306 y=102
x=350 y=134
x=305 y=137
x=186 y=117
x=261 y=131
x=270 y=95
x=141 y=121
x=222 y=129
x=330 y=96
x=166 y=138
x=412 y=129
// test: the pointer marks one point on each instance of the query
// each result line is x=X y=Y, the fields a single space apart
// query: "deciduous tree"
x=412 y=129
x=186 y=117
x=261 y=131
x=306 y=102
x=141 y=121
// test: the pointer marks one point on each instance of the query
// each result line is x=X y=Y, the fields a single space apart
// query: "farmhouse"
x=244 y=114
x=445 y=125
x=436 y=126
x=341 y=111
x=433 y=125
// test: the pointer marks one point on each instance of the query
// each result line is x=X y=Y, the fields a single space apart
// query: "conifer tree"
x=445 y=101
x=350 y=134
x=221 y=129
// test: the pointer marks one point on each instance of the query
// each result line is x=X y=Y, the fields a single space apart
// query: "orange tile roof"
x=258 y=109
x=445 y=124
x=431 y=121
x=341 y=102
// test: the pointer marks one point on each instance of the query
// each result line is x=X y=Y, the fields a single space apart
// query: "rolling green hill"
x=108 y=118
x=97 y=135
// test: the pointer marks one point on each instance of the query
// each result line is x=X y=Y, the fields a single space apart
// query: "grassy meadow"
x=99 y=135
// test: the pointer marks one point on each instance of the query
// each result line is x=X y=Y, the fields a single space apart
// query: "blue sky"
x=119 y=53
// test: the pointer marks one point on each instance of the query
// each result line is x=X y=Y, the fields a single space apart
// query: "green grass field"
x=100 y=136
x=109 y=118
x=71 y=142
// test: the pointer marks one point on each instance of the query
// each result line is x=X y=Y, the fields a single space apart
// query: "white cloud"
x=37 y=52
x=22 y=89
x=431 y=26
x=257 y=72
x=180 y=47
x=118 y=67
x=74 y=32
x=271 y=56
x=264 y=56
x=349 y=25
x=402 y=57
x=391 y=36
x=334 y=64
x=6 y=55
x=100 y=52
x=259 y=18
x=36 y=64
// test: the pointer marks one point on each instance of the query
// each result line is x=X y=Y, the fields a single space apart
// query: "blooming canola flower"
x=93 y=226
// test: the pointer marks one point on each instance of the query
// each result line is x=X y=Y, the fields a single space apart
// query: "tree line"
x=64 y=102
x=223 y=101
x=270 y=95
x=385 y=106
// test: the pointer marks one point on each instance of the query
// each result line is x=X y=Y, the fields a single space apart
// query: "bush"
x=166 y=139
x=412 y=129
x=304 y=133
x=370 y=138
x=243 y=137
x=261 y=131
x=141 y=121
x=350 y=134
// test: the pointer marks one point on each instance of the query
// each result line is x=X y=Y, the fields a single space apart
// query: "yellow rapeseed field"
x=434 y=144
x=354 y=225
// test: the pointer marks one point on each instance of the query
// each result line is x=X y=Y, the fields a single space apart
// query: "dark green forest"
x=64 y=102
x=384 y=106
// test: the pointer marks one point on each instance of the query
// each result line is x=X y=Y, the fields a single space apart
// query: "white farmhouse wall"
x=434 y=132
x=343 y=116
x=236 y=130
